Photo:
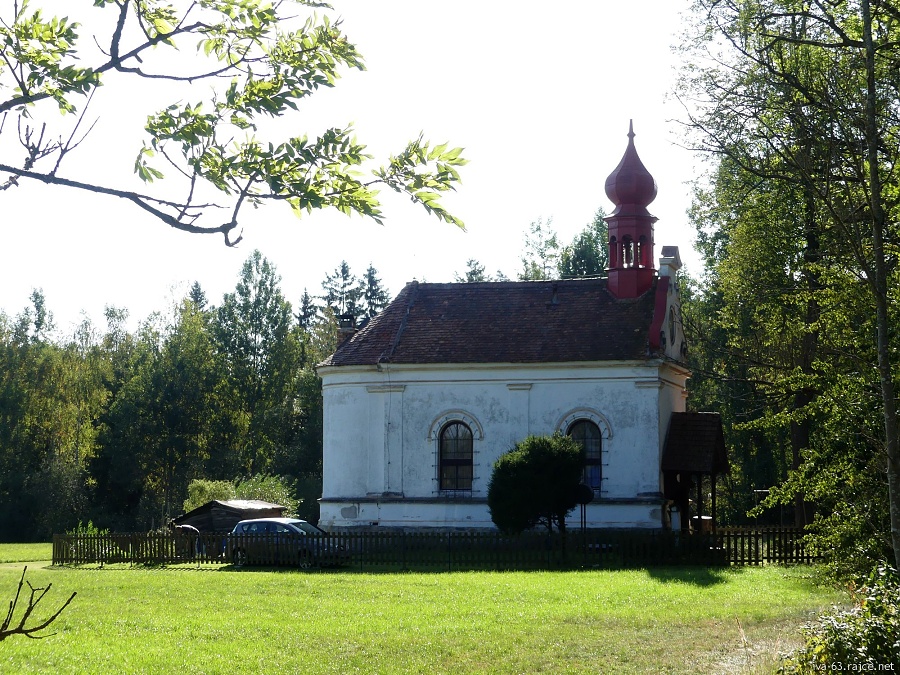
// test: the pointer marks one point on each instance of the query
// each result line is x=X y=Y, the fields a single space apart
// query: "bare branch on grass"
x=7 y=628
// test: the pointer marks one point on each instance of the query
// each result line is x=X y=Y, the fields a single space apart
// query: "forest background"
x=111 y=426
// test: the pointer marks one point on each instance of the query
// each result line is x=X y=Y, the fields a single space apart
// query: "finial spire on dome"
x=630 y=186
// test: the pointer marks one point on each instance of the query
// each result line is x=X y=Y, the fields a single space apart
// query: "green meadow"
x=225 y=620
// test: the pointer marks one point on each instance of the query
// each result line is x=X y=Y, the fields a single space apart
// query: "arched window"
x=643 y=252
x=587 y=434
x=455 y=457
x=627 y=251
x=672 y=326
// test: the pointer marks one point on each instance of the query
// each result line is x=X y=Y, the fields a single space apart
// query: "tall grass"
x=259 y=621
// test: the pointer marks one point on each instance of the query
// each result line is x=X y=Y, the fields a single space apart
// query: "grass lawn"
x=25 y=553
x=684 y=620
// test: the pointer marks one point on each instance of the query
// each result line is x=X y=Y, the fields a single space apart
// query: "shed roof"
x=247 y=504
x=695 y=443
x=221 y=515
x=503 y=322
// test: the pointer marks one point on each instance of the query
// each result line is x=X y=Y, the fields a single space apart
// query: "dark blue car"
x=282 y=541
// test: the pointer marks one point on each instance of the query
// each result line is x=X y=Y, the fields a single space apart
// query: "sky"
x=539 y=95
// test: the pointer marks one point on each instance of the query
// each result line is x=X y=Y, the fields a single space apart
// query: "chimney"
x=669 y=262
x=347 y=325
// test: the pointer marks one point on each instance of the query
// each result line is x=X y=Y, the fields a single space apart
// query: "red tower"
x=631 y=188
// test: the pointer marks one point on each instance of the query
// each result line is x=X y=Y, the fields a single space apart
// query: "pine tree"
x=375 y=296
x=197 y=296
x=587 y=255
x=306 y=313
x=474 y=273
x=343 y=292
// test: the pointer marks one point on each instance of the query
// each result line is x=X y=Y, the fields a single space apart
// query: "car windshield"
x=306 y=528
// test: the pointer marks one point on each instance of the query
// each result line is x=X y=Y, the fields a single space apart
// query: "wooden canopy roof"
x=695 y=443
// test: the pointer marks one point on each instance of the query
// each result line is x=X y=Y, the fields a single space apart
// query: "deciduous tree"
x=541 y=252
x=588 y=254
x=255 y=333
x=218 y=151
x=807 y=94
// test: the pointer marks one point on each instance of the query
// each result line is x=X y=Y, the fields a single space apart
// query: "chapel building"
x=422 y=400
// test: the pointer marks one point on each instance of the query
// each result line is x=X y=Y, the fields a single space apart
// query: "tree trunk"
x=878 y=285
x=811 y=283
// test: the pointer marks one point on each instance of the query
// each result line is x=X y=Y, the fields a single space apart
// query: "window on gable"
x=587 y=435
x=456 y=457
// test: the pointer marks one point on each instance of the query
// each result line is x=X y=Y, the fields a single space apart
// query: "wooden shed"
x=222 y=516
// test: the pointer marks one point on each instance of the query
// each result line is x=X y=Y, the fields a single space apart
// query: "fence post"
x=403 y=564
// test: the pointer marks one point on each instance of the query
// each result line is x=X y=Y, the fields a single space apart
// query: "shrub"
x=275 y=489
x=86 y=530
x=201 y=491
x=535 y=483
x=865 y=638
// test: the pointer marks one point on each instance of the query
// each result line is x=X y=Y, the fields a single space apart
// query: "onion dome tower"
x=631 y=188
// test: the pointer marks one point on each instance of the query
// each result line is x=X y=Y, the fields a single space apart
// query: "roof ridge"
x=510 y=283
x=386 y=355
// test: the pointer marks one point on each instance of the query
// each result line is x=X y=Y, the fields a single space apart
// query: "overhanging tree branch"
x=181 y=222
x=270 y=64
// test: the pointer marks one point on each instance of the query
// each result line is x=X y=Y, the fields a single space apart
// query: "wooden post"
x=700 y=502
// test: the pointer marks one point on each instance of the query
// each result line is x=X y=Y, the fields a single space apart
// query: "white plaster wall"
x=673 y=375
x=672 y=398
x=346 y=430
x=468 y=515
x=381 y=425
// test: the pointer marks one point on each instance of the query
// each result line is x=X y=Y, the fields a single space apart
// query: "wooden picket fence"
x=447 y=550
x=751 y=546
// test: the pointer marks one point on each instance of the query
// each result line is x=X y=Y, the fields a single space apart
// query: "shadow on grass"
x=695 y=575
x=699 y=576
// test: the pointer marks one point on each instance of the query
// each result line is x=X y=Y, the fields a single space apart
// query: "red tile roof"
x=503 y=322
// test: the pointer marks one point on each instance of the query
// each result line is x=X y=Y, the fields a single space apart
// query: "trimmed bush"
x=535 y=483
